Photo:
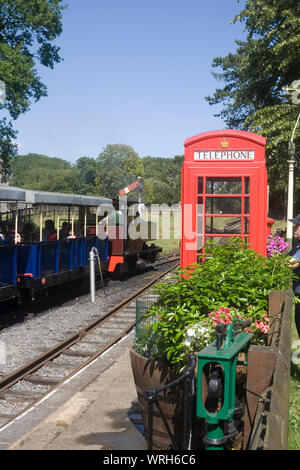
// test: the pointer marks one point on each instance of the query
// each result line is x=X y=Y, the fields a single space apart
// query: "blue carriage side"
x=44 y=264
x=8 y=278
x=8 y=249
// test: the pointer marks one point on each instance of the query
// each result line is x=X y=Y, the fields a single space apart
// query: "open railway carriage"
x=8 y=252
x=49 y=261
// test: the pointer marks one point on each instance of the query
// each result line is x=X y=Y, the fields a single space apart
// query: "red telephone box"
x=223 y=192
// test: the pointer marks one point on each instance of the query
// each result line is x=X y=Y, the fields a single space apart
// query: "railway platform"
x=95 y=409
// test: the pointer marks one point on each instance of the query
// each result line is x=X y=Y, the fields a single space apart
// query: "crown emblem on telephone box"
x=224 y=143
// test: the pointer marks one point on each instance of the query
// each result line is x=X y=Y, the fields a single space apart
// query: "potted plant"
x=232 y=284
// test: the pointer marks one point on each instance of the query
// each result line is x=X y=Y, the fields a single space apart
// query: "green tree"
x=163 y=192
x=27 y=31
x=257 y=76
x=8 y=149
x=66 y=180
x=117 y=166
x=29 y=171
x=88 y=169
x=167 y=171
x=149 y=196
x=43 y=173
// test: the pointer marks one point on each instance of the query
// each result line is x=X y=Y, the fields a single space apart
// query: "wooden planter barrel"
x=152 y=374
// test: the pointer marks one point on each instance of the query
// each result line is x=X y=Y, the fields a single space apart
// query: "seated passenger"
x=20 y=235
x=64 y=231
x=30 y=233
x=49 y=231
x=78 y=230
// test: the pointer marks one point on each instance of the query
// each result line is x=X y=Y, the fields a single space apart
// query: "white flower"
x=197 y=336
x=191 y=332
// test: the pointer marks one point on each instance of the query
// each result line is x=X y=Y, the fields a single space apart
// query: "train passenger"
x=20 y=234
x=295 y=259
x=50 y=233
x=64 y=231
x=30 y=233
x=78 y=230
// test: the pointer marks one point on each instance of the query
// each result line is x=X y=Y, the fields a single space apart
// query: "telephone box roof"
x=250 y=136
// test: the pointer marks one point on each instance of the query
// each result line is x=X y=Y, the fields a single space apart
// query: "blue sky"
x=134 y=73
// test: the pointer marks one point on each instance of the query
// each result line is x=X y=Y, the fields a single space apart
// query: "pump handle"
x=242 y=324
x=220 y=330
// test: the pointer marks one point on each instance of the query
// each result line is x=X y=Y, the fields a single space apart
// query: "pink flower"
x=276 y=245
x=262 y=326
x=265 y=329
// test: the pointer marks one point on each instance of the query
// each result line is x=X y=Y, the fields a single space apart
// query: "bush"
x=232 y=284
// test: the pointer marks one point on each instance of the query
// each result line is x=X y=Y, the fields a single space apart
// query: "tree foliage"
x=116 y=167
x=40 y=172
x=164 y=176
x=8 y=149
x=27 y=31
x=257 y=76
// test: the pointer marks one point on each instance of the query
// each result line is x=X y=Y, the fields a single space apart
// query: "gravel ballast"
x=24 y=341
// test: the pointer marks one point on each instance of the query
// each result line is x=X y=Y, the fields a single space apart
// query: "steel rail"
x=167 y=259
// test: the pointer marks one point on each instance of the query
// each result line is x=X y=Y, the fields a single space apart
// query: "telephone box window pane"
x=230 y=225
x=225 y=240
x=200 y=224
x=220 y=185
x=223 y=205
x=247 y=185
x=199 y=244
x=200 y=201
x=200 y=185
x=246 y=205
x=246 y=225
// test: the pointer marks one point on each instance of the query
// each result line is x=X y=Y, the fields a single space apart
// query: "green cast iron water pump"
x=221 y=359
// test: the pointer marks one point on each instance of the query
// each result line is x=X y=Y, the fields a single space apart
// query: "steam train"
x=37 y=252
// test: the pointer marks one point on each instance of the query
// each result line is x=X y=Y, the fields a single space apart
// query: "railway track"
x=167 y=259
x=30 y=383
x=11 y=315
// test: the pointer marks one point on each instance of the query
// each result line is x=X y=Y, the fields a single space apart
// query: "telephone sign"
x=224 y=155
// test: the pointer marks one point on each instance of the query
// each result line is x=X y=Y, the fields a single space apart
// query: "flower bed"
x=232 y=284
